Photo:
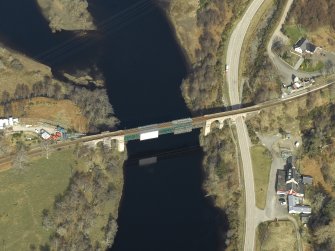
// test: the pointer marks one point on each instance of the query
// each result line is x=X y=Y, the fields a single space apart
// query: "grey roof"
x=293 y=173
x=304 y=44
x=293 y=200
x=302 y=209
x=295 y=188
x=307 y=179
x=294 y=205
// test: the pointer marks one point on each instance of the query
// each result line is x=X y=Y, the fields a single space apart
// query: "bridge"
x=154 y=131
x=187 y=124
x=175 y=127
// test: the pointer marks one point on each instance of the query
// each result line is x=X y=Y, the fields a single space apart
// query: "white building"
x=4 y=123
x=304 y=46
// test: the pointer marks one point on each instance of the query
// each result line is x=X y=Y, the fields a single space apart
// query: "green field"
x=261 y=164
x=294 y=33
x=23 y=196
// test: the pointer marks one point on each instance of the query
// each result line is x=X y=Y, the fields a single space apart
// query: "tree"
x=326 y=233
x=5 y=98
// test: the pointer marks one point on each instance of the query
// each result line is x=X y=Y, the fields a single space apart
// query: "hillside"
x=314 y=14
x=202 y=29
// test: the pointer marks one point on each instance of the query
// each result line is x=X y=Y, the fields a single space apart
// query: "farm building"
x=4 y=123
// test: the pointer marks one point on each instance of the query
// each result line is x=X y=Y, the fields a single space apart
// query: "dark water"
x=142 y=62
x=163 y=206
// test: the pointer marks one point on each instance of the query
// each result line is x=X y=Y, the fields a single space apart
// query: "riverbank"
x=209 y=25
x=60 y=200
x=16 y=68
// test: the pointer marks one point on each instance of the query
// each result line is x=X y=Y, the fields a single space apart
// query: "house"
x=45 y=134
x=289 y=182
x=295 y=206
x=304 y=46
x=8 y=122
x=306 y=179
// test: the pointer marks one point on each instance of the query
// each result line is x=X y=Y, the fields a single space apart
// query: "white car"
x=227 y=67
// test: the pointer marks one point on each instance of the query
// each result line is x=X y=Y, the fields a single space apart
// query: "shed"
x=304 y=218
x=306 y=179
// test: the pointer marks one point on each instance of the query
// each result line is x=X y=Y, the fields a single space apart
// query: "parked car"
x=282 y=201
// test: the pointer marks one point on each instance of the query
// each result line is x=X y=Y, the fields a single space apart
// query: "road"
x=285 y=70
x=233 y=60
x=234 y=50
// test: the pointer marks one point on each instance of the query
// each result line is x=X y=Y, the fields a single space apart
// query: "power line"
x=108 y=26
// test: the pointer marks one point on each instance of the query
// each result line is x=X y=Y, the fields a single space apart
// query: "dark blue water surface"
x=163 y=206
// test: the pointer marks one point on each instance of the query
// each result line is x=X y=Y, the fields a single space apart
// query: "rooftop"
x=305 y=45
x=306 y=179
x=295 y=206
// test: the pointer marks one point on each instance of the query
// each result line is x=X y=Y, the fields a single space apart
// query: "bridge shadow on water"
x=163 y=206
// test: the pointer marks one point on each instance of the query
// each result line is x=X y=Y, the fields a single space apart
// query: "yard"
x=24 y=195
x=62 y=112
x=290 y=58
x=279 y=236
x=261 y=164
x=310 y=66
x=294 y=33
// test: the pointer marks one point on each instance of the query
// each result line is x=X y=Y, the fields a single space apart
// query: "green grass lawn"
x=310 y=66
x=24 y=195
x=294 y=33
x=261 y=164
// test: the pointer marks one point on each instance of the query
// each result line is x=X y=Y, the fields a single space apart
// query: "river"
x=163 y=206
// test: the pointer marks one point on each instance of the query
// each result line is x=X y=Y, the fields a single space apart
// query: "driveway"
x=285 y=70
x=273 y=208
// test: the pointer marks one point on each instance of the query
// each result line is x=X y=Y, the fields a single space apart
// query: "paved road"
x=233 y=60
x=285 y=70
x=234 y=51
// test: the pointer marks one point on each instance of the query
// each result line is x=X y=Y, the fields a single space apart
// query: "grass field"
x=24 y=195
x=294 y=33
x=261 y=164
x=278 y=236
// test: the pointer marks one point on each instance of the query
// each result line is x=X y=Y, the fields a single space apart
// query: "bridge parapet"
x=221 y=120
x=107 y=142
